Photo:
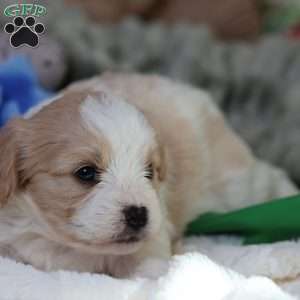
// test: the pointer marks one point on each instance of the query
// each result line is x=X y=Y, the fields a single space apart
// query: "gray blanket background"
x=256 y=85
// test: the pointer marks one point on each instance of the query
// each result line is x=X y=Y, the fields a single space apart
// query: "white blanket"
x=190 y=276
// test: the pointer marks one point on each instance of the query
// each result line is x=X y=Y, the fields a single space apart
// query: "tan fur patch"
x=55 y=144
x=8 y=160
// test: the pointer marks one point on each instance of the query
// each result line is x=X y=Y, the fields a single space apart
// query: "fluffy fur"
x=122 y=124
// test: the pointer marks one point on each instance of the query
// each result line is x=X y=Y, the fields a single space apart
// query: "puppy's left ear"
x=8 y=160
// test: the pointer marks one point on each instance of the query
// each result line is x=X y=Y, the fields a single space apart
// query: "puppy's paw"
x=152 y=268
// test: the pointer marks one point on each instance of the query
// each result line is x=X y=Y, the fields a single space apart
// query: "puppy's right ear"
x=8 y=160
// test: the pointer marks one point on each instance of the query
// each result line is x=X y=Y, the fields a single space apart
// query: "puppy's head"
x=90 y=166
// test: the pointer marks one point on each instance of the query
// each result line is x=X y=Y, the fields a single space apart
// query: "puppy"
x=109 y=173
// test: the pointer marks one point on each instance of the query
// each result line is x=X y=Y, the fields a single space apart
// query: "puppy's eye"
x=149 y=172
x=88 y=174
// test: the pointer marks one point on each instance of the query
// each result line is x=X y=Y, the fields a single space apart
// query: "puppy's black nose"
x=136 y=217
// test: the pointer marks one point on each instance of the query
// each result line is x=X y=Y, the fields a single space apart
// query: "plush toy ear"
x=8 y=160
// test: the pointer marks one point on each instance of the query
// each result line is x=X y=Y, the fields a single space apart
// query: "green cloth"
x=264 y=223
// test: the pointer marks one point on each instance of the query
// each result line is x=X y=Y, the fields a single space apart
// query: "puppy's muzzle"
x=136 y=217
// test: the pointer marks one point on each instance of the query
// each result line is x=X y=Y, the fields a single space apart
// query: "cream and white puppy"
x=109 y=173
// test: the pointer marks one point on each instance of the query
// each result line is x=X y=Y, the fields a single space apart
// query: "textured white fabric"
x=190 y=276
x=279 y=261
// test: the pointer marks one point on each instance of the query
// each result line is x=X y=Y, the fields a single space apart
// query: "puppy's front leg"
x=155 y=255
x=152 y=268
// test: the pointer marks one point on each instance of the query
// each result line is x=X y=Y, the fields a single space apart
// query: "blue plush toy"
x=19 y=88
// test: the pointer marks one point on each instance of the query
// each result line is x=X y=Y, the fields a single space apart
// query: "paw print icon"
x=24 y=32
